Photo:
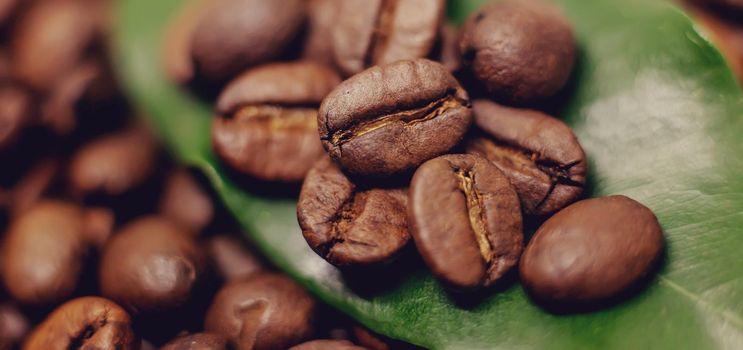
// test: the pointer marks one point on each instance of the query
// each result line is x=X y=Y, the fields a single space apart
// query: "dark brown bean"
x=13 y=326
x=113 y=164
x=466 y=220
x=266 y=311
x=266 y=125
x=44 y=252
x=390 y=119
x=322 y=17
x=237 y=34
x=197 y=341
x=233 y=261
x=84 y=323
x=378 y=32
x=150 y=265
x=327 y=344
x=40 y=57
x=184 y=202
x=522 y=51
x=592 y=251
x=15 y=114
x=538 y=153
x=351 y=225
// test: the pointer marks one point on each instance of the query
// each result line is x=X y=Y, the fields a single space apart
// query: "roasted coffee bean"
x=266 y=311
x=113 y=164
x=15 y=114
x=391 y=119
x=591 y=251
x=150 y=265
x=522 y=51
x=378 y=32
x=347 y=224
x=197 y=341
x=538 y=153
x=322 y=16
x=13 y=326
x=59 y=109
x=327 y=344
x=84 y=323
x=266 y=125
x=184 y=202
x=40 y=57
x=44 y=252
x=232 y=260
x=237 y=34
x=466 y=220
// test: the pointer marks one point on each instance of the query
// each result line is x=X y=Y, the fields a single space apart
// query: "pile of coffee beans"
x=399 y=126
x=105 y=243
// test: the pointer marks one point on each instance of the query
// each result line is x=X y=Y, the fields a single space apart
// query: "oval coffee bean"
x=378 y=32
x=113 y=164
x=538 y=153
x=236 y=34
x=84 y=323
x=348 y=225
x=326 y=344
x=151 y=264
x=44 y=252
x=232 y=260
x=390 y=119
x=15 y=114
x=591 y=251
x=466 y=220
x=197 y=341
x=184 y=202
x=266 y=311
x=14 y=326
x=522 y=51
x=266 y=125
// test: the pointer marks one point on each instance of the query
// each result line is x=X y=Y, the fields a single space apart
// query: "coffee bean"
x=538 y=153
x=59 y=111
x=232 y=260
x=266 y=125
x=84 y=323
x=378 y=32
x=197 y=341
x=347 y=224
x=113 y=164
x=184 y=202
x=40 y=58
x=522 y=51
x=33 y=185
x=44 y=252
x=326 y=344
x=390 y=119
x=176 y=48
x=150 y=265
x=236 y=34
x=13 y=326
x=592 y=251
x=15 y=114
x=266 y=311
x=322 y=17
x=466 y=220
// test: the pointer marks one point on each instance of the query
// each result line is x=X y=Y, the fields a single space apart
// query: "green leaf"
x=660 y=116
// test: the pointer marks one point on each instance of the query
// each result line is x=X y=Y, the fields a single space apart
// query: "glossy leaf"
x=661 y=118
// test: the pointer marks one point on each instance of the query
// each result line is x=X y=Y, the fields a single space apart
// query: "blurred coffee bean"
x=33 y=185
x=237 y=34
x=377 y=32
x=176 y=49
x=539 y=154
x=84 y=323
x=266 y=311
x=197 y=341
x=184 y=202
x=232 y=260
x=13 y=326
x=322 y=16
x=266 y=125
x=326 y=344
x=348 y=224
x=44 y=252
x=150 y=265
x=522 y=51
x=448 y=50
x=390 y=119
x=16 y=112
x=51 y=38
x=113 y=164
x=58 y=110
x=369 y=340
